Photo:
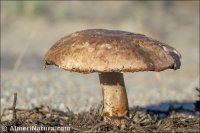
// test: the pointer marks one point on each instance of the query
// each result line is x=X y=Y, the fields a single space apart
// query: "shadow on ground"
x=165 y=108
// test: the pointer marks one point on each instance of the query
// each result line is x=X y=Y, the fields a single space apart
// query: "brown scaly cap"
x=101 y=50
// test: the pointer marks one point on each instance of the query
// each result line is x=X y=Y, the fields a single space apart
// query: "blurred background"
x=29 y=29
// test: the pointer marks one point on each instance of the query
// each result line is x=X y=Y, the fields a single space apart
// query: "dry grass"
x=139 y=120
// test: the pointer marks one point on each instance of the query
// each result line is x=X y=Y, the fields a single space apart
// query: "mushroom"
x=110 y=53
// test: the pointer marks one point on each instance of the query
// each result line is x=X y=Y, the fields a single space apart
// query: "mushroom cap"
x=101 y=50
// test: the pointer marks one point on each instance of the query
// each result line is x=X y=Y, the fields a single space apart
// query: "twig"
x=134 y=111
x=75 y=128
x=198 y=90
x=97 y=126
x=14 y=106
x=70 y=113
x=100 y=109
x=3 y=113
x=22 y=53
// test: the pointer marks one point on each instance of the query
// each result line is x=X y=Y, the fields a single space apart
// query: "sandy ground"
x=24 y=42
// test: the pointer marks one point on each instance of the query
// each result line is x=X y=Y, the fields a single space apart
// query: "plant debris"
x=139 y=120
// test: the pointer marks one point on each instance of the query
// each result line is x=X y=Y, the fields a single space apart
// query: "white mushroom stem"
x=114 y=94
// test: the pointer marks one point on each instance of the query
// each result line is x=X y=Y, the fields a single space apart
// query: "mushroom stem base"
x=115 y=103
